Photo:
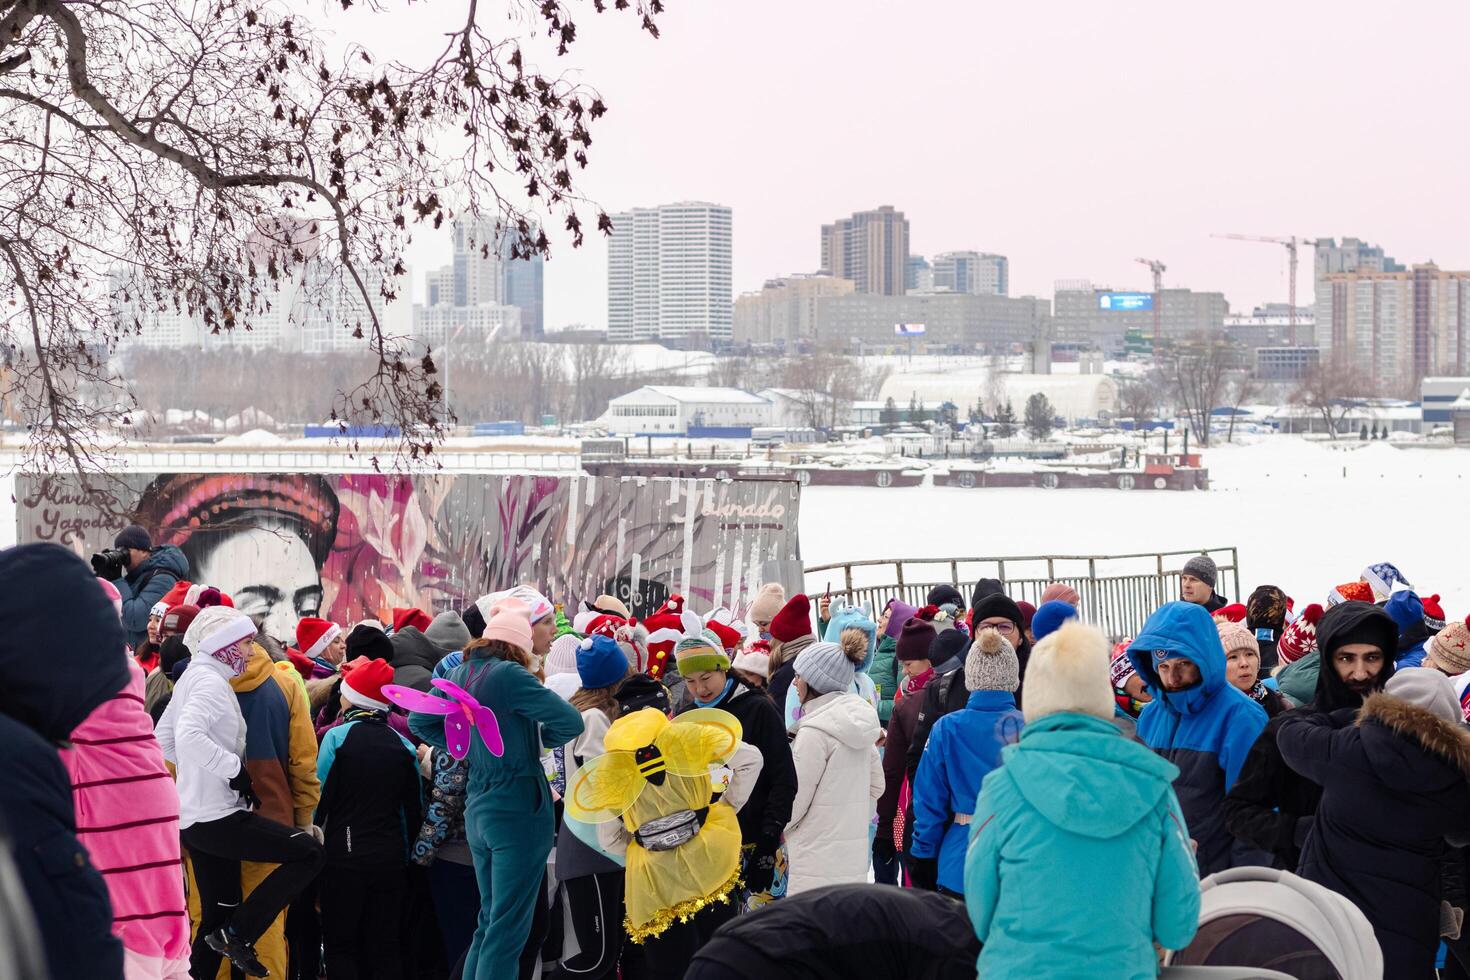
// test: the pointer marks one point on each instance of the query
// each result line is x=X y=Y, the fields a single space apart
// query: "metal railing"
x=1116 y=592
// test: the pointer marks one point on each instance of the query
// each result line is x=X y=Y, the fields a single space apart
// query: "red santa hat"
x=1233 y=613
x=729 y=636
x=416 y=618
x=363 y=681
x=665 y=628
x=314 y=635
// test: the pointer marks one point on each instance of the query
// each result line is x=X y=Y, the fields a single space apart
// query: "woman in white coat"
x=839 y=775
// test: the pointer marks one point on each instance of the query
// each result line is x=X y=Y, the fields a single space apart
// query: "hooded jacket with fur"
x=1206 y=730
x=1395 y=784
x=1270 y=806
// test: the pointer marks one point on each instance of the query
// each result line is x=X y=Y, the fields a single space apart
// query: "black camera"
x=110 y=563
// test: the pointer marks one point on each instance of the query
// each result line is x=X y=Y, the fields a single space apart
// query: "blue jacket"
x=143 y=586
x=1085 y=817
x=1206 y=730
x=963 y=747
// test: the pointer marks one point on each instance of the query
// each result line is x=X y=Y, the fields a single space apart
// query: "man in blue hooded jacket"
x=1196 y=720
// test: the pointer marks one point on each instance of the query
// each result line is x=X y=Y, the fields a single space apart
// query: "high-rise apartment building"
x=978 y=273
x=479 y=271
x=918 y=275
x=524 y=287
x=669 y=274
x=1330 y=258
x=871 y=249
x=1396 y=327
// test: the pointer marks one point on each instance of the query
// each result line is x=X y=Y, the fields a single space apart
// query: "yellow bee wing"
x=604 y=788
x=699 y=739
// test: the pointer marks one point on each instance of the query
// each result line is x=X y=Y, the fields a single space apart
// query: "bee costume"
x=683 y=850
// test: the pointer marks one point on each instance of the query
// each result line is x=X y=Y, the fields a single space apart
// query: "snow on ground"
x=1304 y=515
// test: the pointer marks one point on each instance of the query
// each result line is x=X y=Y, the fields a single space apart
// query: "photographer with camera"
x=142 y=573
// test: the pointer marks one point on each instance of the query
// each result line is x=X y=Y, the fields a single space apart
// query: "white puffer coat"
x=839 y=778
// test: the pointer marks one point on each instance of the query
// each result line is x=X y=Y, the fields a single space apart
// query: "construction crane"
x=1157 y=268
x=1291 y=247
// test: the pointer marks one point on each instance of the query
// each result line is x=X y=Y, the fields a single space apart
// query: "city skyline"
x=1178 y=126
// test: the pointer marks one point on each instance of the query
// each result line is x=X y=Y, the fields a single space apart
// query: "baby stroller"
x=1262 y=919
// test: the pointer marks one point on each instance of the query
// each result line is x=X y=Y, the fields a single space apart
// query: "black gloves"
x=760 y=869
x=883 y=849
x=924 y=873
x=240 y=783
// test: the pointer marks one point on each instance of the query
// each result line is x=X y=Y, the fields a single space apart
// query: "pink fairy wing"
x=457 y=728
x=414 y=700
x=473 y=715
x=455 y=691
x=489 y=729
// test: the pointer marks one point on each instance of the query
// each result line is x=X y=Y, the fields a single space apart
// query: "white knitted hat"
x=215 y=628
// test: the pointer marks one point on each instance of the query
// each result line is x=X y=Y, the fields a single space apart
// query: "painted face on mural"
x=269 y=572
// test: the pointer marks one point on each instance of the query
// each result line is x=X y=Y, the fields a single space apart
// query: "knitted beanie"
x=948 y=645
x=945 y=595
x=914 y=640
x=768 y=602
x=1266 y=609
x=1028 y=613
x=794 y=620
x=562 y=657
x=1203 y=568
x=1050 y=617
x=1427 y=689
x=510 y=622
x=600 y=662
x=1062 y=591
x=216 y=628
x=825 y=668
x=1451 y=647
x=991 y=664
x=986 y=587
x=700 y=651
x=1433 y=612
x=1234 y=636
x=1068 y=671
x=370 y=642
x=1121 y=667
x=899 y=612
x=1300 y=637
x=1406 y=609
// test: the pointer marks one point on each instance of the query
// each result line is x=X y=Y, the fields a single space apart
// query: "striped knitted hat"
x=700 y=649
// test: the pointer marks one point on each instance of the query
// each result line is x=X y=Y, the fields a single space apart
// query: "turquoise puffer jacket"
x=1079 y=859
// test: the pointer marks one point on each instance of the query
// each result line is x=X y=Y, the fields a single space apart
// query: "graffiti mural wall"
x=353 y=546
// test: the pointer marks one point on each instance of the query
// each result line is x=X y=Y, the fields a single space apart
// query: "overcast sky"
x=1070 y=136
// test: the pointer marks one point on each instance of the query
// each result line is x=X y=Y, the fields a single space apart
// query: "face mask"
x=234 y=657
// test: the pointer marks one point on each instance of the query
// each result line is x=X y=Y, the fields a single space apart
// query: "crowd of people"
x=534 y=787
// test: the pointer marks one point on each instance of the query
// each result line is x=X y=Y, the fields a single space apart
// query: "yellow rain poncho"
x=654 y=768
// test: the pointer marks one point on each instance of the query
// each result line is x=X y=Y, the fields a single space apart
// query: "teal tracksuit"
x=508 y=815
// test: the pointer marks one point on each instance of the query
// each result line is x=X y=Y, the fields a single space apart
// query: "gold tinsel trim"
x=684 y=911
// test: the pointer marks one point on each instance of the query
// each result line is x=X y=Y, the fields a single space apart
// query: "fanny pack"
x=671 y=830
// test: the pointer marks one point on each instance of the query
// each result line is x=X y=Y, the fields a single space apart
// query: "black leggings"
x=362 y=922
x=216 y=849
x=595 y=907
x=667 y=956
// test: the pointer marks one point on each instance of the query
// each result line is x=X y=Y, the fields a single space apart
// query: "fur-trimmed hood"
x=1411 y=748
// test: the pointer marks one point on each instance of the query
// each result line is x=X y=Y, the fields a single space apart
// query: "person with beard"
x=1196 y=720
x=1270 y=807
x=1265 y=616
x=947 y=692
x=1395 y=785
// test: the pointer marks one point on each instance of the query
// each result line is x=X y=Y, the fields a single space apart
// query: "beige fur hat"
x=1068 y=671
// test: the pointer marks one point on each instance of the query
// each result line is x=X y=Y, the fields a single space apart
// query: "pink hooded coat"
x=128 y=819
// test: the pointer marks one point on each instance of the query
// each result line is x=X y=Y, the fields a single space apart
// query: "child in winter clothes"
x=370 y=794
x=963 y=747
x=1079 y=817
x=203 y=733
x=839 y=775
x=508 y=806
